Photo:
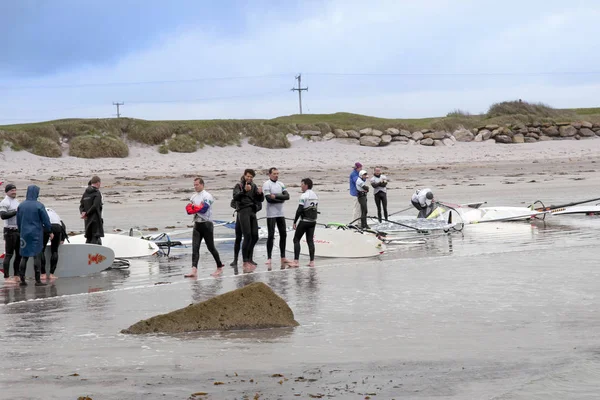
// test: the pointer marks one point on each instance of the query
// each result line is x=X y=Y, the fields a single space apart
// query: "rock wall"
x=507 y=134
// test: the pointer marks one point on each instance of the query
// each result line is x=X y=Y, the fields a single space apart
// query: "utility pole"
x=118 y=112
x=300 y=89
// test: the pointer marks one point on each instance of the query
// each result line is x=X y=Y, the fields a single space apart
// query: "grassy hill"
x=94 y=138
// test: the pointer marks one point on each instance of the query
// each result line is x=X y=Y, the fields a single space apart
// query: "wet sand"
x=502 y=311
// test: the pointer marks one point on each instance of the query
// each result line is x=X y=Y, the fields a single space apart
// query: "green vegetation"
x=108 y=137
x=98 y=147
x=183 y=144
x=46 y=147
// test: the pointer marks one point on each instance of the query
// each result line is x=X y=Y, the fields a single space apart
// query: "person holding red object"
x=200 y=206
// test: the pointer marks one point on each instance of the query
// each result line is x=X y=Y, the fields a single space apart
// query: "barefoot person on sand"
x=90 y=208
x=60 y=234
x=200 y=206
x=275 y=195
x=8 y=213
x=379 y=183
x=307 y=213
x=249 y=199
x=33 y=221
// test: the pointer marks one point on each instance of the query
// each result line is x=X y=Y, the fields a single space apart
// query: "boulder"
x=353 y=134
x=426 y=130
x=518 y=138
x=340 y=133
x=310 y=133
x=567 y=131
x=405 y=133
x=534 y=130
x=532 y=135
x=254 y=306
x=503 y=139
x=438 y=143
x=550 y=131
x=486 y=134
x=385 y=140
x=427 y=142
x=448 y=142
x=399 y=139
x=376 y=132
x=392 y=131
x=529 y=139
x=478 y=137
x=563 y=123
x=366 y=131
x=576 y=125
x=329 y=136
x=437 y=135
x=412 y=142
x=316 y=139
x=417 y=135
x=544 y=138
x=464 y=135
x=349 y=141
x=371 y=141
x=585 y=124
x=491 y=127
x=586 y=132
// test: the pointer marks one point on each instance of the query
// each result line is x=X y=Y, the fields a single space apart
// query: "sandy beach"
x=147 y=189
x=490 y=313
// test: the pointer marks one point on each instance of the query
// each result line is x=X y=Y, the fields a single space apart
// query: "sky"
x=197 y=59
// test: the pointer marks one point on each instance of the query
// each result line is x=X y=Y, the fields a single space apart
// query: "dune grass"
x=92 y=138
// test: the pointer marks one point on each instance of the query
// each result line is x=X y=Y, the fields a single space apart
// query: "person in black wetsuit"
x=60 y=234
x=90 y=208
x=248 y=198
x=275 y=195
x=307 y=213
x=12 y=239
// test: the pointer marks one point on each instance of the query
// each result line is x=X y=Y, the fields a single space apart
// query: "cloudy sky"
x=201 y=59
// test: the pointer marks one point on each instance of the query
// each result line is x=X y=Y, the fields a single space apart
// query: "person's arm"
x=5 y=213
x=299 y=212
x=283 y=196
x=375 y=184
x=238 y=192
x=258 y=196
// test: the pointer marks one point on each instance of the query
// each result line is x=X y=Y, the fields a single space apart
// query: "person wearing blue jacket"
x=33 y=221
x=356 y=211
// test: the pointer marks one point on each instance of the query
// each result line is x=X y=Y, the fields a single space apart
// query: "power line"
x=134 y=83
x=300 y=89
x=540 y=73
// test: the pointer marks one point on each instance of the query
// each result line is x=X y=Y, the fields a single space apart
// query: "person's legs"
x=282 y=229
x=300 y=230
x=363 y=211
x=310 y=241
x=384 y=204
x=377 y=197
x=355 y=210
x=270 y=238
x=196 y=241
x=238 y=241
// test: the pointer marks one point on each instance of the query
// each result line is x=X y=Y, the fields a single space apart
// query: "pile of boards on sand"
x=254 y=306
x=77 y=260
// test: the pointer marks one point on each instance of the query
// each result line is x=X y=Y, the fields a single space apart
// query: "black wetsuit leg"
x=206 y=230
x=303 y=228
x=381 y=204
x=247 y=222
x=362 y=200
x=12 y=246
x=43 y=255
x=57 y=230
x=238 y=238
x=282 y=228
x=271 y=235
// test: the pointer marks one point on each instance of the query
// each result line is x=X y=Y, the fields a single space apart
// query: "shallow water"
x=498 y=311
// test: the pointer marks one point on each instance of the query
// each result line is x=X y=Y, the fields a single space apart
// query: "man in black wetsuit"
x=90 y=208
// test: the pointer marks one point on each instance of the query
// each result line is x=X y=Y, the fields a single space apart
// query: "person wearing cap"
x=361 y=195
x=379 y=183
x=8 y=213
x=354 y=192
x=423 y=201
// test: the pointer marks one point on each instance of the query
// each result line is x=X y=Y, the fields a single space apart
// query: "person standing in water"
x=307 y=213
x=249 y=200
x=33 y=221
x=275 y=195
x=379 y=183
x=90 y=208
x=8 y=213
x=362 y=189
x=59 y=230
x=200 y=206
x=353 y=192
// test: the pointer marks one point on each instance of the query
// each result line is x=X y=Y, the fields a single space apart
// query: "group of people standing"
x=247 y=200
x=29 y=226
x=422 y=199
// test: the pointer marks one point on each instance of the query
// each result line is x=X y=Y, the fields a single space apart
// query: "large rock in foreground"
x=254 y=306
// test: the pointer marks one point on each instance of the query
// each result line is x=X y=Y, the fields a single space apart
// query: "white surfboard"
x=338 y=243
x=77 y=260
x=123 y=246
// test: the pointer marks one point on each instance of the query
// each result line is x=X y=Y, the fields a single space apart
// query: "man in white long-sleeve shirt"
x=422 y=199
x=379 y=183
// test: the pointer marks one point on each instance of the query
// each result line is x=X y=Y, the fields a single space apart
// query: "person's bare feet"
x=311 y=264
x=53 y=277
x=268 y=264
x=293 y=264
x=218 y=272
x=193 y=274
x=43 y=277
x=285 y=262
x=248 y=267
